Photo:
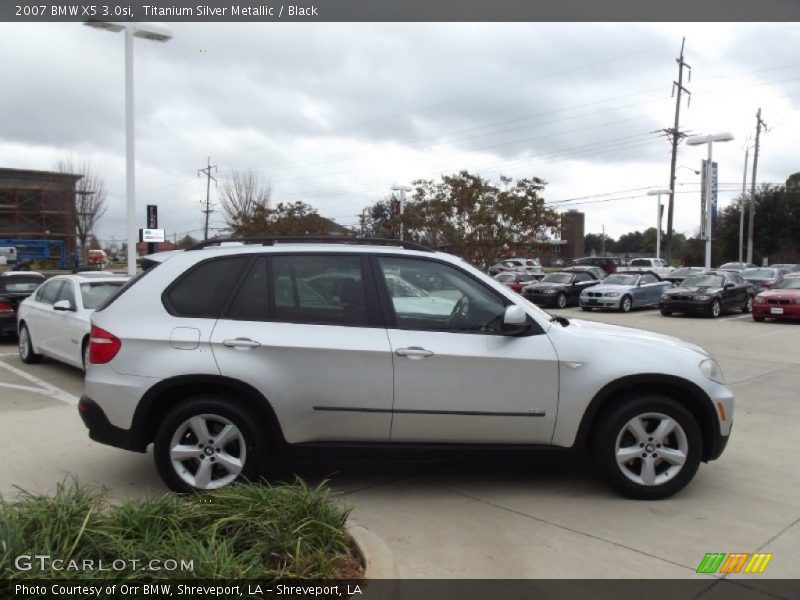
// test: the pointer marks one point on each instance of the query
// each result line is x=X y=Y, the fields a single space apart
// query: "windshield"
x=703 y=281
x=95 y=293
x=621 y=279
x=557 y=278
x=400 y=288
x=789 y=283
x=758 y=273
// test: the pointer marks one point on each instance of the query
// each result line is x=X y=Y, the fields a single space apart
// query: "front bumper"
x=100 y=430
x=601 y=302
x=686 y=306
x=542 y=299
x=788 y=311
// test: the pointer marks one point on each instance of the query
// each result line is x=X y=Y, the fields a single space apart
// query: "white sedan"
x=54 y=320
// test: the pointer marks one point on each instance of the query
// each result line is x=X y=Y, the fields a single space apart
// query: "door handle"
x=413 y=352
x=241 y=343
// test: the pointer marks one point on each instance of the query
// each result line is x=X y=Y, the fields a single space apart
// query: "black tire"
x=625 y=304
x=216 y=413
x=748 y=305
x=25 y=346
x=614 y=427
x=715 y=310
x=561 y=300
x=666 y=313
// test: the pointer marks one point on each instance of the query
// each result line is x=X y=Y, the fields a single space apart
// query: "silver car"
x=219 y=356
x=625 y=291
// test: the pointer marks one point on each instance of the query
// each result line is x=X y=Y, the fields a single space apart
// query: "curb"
x=376 y=555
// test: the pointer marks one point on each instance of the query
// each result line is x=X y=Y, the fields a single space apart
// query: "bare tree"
x=246 y=200
x=90 y=197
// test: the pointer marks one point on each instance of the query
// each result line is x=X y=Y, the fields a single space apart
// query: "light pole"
x=402 y=189
x=697 y=141
x=156 y=32
x=658 y=193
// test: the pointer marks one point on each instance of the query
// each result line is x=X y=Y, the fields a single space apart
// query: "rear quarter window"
x=201 y=292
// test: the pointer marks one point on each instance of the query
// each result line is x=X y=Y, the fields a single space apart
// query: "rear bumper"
x=8 y=323
x=100 y=430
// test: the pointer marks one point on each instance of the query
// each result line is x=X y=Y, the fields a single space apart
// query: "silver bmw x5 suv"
x=228 y=353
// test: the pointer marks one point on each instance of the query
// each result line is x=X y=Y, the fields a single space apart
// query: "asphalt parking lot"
x=529 y=519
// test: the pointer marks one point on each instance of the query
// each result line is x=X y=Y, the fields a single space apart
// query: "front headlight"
x=612 y=294
x=665 y=297
x=703 y=298
x=550 y=291
x=712 y=370
x=760 y=300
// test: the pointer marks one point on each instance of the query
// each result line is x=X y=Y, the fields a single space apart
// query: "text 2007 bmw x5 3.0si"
x=224 y=354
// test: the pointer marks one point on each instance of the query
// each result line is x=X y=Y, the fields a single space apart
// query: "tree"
x=468 y=215
x=90 y=197
x=593 y=244
x=186 y=241
x=246 y=200
x=296 y=218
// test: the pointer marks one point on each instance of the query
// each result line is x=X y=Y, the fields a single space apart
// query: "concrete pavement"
x=529 y=519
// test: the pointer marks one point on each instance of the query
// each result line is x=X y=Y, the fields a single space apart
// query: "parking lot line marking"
x=25 y=388
x=49 y=388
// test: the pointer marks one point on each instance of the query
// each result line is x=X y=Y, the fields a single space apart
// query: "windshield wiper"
x=563 y=321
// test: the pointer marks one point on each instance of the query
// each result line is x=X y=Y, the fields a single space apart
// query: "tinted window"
x=19 y=284
x=252 y=300
x=583 y=277
x=203 y=290
x=319 y=289
x=458 y=304
x=648 y=278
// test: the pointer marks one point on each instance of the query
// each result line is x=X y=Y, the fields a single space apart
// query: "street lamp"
x=156 y=32
x=658 y=193
x=697 y=141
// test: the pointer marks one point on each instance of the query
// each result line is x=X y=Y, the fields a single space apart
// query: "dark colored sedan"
x=781 y=302
x=559 y=289
x=709 y=294
x=677 y=276
x=14 y=288
x=763 y=278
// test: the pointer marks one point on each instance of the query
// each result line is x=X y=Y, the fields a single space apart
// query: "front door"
x=457 y=378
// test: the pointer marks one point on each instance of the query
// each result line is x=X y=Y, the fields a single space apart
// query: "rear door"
x=306 y=331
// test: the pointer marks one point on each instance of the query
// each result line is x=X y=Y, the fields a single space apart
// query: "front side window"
x=50 y=291
x=67 y=294
x=94 y=293
x=458 y=304
x=319 y=289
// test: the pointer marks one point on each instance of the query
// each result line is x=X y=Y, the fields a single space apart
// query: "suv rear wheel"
x=648 y=447
x=207 y=442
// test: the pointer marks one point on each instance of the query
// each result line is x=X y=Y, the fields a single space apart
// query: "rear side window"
x=202 y=291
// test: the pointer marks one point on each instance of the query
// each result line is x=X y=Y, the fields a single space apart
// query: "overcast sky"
x=334 y=114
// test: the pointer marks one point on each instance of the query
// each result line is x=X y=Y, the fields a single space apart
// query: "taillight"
x=103 y=346
x=6 y=308
x=766 y=284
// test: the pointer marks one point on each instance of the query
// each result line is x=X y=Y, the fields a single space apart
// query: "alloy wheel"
x=651 y=449
x=207 y=451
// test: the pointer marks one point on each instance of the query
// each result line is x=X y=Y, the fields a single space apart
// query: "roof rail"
x=311 y=239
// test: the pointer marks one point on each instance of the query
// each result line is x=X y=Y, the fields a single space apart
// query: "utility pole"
x=677 y=135
x=744 y=200
x=208 y=210
x=603 y=242
x=750 y=222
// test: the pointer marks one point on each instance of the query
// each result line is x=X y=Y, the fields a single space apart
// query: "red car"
x=781 y=302
x=516 y=281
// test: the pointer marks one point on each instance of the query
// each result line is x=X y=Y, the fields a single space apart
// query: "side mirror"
x=515 y=320
x=63 y=305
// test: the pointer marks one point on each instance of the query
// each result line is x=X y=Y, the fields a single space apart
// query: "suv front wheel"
x=206 y=443
x=648 y=447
